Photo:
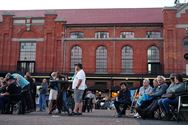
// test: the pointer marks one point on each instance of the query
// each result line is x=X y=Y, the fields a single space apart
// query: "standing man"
x=79 y=86
x=32 y=89
x=42 y=97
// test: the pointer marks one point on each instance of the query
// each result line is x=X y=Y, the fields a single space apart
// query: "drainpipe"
x=114 y=50
x=64 y=50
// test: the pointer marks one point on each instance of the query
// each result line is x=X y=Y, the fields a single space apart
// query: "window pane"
x=38 y=21
x=76 y=56
x=77 y=35
x=26 y=66
x=101 y=59
x=27 y=51
x=127 y=35
x=127 y=59
x=153 y=54
x=153 y=35
x=102 y=35
x=19 y=21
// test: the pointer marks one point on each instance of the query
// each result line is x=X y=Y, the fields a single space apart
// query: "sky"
x=81 y=4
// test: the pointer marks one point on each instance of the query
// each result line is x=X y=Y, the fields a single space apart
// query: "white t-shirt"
x=79 y=76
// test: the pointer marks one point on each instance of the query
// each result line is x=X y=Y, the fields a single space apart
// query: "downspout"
x=64 y=50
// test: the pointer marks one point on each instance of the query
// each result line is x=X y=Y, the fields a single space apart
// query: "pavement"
x=97 y=117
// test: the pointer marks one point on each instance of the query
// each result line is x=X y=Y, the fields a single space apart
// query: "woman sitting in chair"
x=170 y=97
x=123 y=100
x=145 y=90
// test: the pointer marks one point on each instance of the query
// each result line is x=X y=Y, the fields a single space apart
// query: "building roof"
x=98 y=16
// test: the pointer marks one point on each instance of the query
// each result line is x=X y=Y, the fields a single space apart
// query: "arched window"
x=76 y=56
x=127 y=59
x=154 y=66
x=101 y=59
x=153 y=54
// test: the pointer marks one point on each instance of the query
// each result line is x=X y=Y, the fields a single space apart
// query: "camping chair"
x=133 y=99
x=182 y=106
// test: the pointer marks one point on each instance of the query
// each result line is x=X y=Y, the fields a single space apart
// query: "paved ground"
x=98 y=117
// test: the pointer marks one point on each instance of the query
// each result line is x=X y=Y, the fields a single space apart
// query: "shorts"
x=53 y=94
x=93 y=100
x=78 y=94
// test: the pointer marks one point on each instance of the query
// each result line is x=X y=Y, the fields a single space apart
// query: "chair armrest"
x=182 y=94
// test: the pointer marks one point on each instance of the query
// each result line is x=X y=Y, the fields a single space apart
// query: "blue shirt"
x=21 y=80
x=44 y=88
x=144 y=90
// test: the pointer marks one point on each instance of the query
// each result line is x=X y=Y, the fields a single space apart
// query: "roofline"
x=82 y=9
x=160 y=24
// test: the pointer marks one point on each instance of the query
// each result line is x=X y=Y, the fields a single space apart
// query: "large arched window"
x=153 y=54
x=127 y=59
x=154 y=66
x=101 y=59
x=76 y=56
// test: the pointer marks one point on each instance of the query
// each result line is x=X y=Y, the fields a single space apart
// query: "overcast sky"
x=74 y=4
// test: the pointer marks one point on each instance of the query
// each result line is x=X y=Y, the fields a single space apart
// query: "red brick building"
x=112 y=44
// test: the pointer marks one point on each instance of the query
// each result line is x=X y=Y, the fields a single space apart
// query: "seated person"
x=169 y=98
x=3 y=85
x=146 y=89
x=142 y=102
x=148 y=112
x=1 y=81
x=123 y=99
x=11 y=93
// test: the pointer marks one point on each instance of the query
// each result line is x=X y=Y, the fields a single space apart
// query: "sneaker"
x=137 y=115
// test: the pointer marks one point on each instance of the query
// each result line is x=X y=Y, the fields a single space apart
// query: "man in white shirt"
x=79 y=87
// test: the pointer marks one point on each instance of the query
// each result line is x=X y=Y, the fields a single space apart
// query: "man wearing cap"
x=11 y=93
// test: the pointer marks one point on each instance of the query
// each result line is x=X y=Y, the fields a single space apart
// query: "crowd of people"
x=56 y=94
x=152 y=97
x=15 y=88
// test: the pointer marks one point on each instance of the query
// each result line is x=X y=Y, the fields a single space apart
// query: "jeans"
x=27 y=99
x=42 y=102
x=65 y=101
x=166 y=102
x=3 y=101
x=124 y=106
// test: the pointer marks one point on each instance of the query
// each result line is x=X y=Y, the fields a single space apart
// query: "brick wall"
x=53 y=54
